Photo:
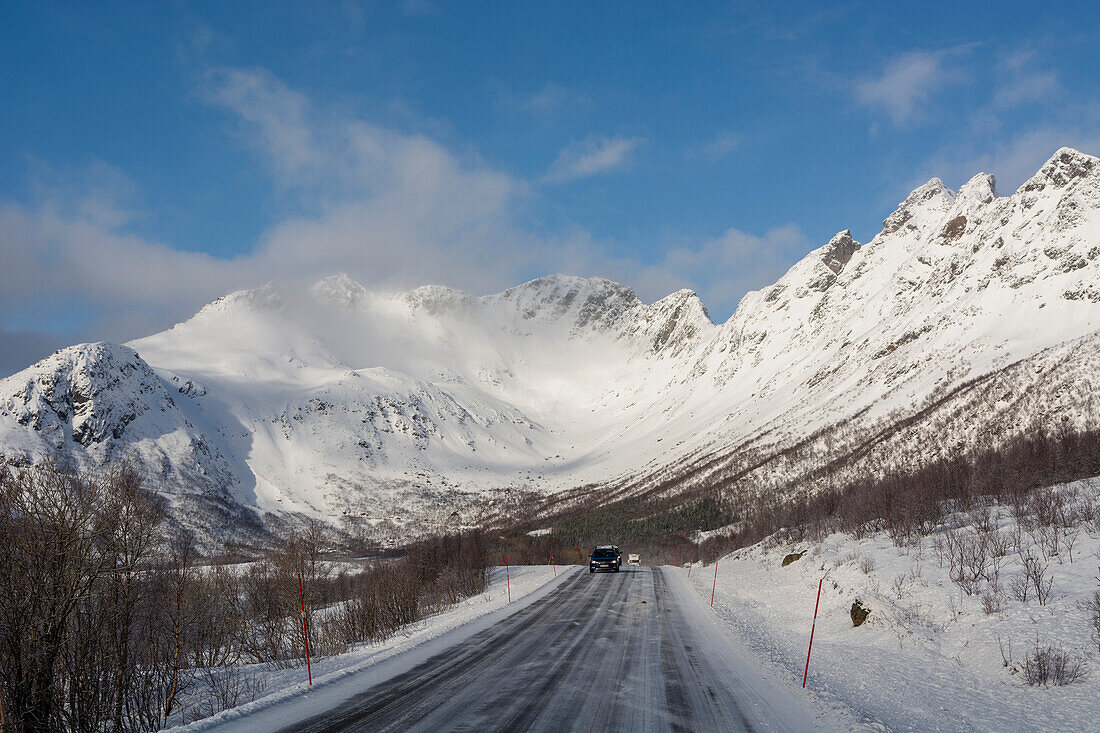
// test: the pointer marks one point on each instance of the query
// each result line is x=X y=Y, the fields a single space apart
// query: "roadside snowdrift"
x=929 y=656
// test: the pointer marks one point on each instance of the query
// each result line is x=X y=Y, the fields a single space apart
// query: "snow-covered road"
x=633 y=651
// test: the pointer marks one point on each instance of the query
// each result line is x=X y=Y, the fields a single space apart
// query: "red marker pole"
x=508 y=577
x=305 y=635
x=552 y=562
x=692 y=561
x=807 y=672
x=715 y=584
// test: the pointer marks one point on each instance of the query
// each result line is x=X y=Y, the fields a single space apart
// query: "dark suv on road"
x=605 y=557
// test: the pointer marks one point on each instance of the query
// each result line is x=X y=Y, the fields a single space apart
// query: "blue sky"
x=156 y=155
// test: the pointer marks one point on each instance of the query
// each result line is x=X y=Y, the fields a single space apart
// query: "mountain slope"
x=970 y=317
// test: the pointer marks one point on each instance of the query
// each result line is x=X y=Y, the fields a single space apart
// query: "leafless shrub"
x=954 y=610
x=269 y=607
x=999 y=543
x=1045 y=665
x=225 y=688
x=1036 y=574
x=385 y=599
x=992 y=601
x=912 y=615
x=899 y=586
x=1086 y=509
x=969 y=558
x=867 y=564
x=1048 y=538
x=216 y=641
x=1020 y=587
x=1006 y=650
x=1069 y=539
x=1091 y=607
x=1016 y=535
x=939 y=549
x=1091 y=515
x=983 y=518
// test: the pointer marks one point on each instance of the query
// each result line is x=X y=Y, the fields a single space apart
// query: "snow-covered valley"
x=970 y=318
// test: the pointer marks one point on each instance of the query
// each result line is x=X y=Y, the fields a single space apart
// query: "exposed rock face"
x=1066 y=166
x=834 y=256
x=970 y=317
x=859 y=613
x=791 y=557
x=99 y=402
x=955 y=228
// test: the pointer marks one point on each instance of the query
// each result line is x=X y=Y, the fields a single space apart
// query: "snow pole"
x=552 y=562
x=807 y=672
x=692 y=562
x=508 y=578
x=715 y=584
x=305 y=635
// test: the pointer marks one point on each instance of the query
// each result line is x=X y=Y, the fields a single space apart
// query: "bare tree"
x=133 y=544
x=59 y=532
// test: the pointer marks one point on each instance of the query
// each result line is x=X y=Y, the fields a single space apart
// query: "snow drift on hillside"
x=929 y=656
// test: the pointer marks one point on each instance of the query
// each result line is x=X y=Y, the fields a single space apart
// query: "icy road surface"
x=632 y=651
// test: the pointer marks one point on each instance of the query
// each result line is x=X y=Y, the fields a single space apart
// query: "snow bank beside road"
x=929 y=656
x=290 y=699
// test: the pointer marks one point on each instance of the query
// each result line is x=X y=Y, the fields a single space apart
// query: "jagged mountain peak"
x=672 y=324
x=91 y=363
x=814 y=273
x=979 y=190
x=567 y=286
x=686 y=299
x=838 y=251
x=439 y=300
x=1064 y=167
x=340 y=288
x=83 y=394
x=592 y=302
x=268 y=296
x=930 y=199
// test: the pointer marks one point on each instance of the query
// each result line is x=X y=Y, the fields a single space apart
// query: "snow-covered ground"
x=338 y=677
x=929 y=657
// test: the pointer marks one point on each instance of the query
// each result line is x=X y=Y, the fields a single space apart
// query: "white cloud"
x=592 y=156
x=395 y=210
x=392 y=210
x=725 y=267
x=906 y=86
x=550 y=99
x=266 y=106
x=1023 y=82
x=722 y=144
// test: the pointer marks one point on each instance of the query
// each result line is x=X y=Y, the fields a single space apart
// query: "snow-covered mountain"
x=970 y=317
